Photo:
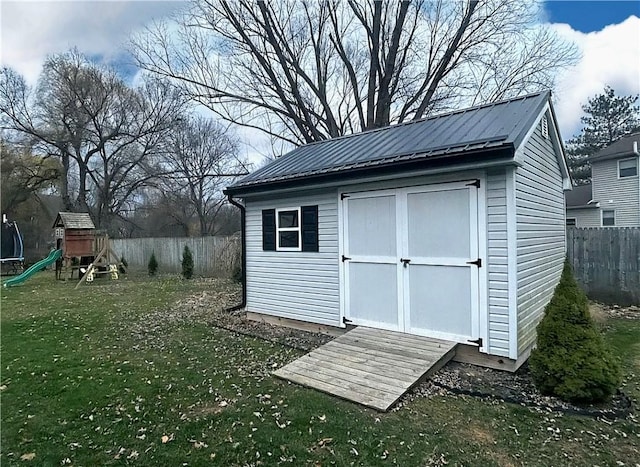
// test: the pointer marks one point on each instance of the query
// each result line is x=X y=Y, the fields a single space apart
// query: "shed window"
x=571 y=221
x=628 y=168
x=608 y=218
x=290 y=229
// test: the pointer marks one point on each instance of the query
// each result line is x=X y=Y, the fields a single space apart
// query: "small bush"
x=187 y=263
x=122 y=267
x=571 y=360
x=152 y=266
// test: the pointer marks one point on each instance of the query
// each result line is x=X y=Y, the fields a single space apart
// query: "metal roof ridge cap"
x=533 y=116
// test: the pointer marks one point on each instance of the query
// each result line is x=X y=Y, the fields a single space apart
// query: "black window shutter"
x=310 y=228
x=269 y=229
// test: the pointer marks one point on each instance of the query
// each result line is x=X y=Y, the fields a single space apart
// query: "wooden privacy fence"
x=212 y=256
x=606 y=263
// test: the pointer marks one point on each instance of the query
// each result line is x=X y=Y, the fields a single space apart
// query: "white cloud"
x=33 y=30
x=609 y=57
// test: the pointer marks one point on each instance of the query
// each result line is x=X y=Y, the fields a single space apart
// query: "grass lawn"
x=109 y=375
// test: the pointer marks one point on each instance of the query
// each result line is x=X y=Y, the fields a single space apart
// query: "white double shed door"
x=410 y=260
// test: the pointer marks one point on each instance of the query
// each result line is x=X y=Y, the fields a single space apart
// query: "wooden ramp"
x=369 y=366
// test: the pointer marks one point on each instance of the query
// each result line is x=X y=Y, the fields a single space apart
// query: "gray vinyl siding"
x=620 y=194
x=293 y=284
x=540 y=244
x=586 y=217
x=498 y=278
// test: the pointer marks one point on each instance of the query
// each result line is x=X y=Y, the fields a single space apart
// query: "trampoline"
x=11 y=248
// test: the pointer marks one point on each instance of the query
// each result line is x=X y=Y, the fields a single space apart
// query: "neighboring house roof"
x=74 y=220
x=477 y=132
x=625 y=146
x=580 y=197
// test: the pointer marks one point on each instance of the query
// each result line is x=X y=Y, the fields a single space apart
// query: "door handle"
x=405 y=261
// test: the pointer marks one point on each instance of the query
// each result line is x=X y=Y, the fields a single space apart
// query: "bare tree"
x=24 y=175
x=305 y=71
x=160 y=213
x=104 y=132
x=203 y=156
x=133 y=158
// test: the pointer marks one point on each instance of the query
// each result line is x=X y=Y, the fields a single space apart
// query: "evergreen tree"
x=152 y=266
x=122 y=267
x=187 y=263
x=571 y=360
x=607 y=118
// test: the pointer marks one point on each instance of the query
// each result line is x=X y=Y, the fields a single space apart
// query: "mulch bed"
x=517 y=388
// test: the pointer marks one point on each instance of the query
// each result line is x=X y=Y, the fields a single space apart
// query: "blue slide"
x=48 y=261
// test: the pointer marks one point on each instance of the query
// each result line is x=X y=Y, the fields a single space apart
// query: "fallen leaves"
x=324 y=441
x=28 y=456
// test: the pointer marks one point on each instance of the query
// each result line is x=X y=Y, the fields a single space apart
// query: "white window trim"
x=602 y=217
x=574 y=219
x=289 y=229
x=635 y=159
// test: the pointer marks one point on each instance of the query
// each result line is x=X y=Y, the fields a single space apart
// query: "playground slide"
x=48 y=261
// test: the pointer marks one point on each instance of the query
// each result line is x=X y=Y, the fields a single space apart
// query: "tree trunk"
x=64 y=187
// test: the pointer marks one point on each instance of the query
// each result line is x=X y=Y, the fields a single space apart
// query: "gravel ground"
x=454 y=378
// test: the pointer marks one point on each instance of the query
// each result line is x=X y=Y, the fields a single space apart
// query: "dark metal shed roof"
x=477 y=129
x=620 y=148
x=74 y=220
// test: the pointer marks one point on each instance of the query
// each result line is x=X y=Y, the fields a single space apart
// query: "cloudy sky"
x=607 y=33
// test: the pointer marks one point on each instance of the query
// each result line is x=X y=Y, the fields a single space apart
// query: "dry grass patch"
x=480 y=434
x=598 y=313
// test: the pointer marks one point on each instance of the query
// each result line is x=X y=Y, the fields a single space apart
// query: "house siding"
x=497 y=251
x=540 y=243
x=621 y=194
x=293 y=284
x=587 y=217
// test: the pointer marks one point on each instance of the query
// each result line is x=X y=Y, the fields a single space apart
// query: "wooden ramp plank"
x=372 y=367
x=396 y=348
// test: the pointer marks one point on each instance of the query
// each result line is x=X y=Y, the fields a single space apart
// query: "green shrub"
x=122 y=267
x=187 y=263
x=152 y=266
x=571 y=360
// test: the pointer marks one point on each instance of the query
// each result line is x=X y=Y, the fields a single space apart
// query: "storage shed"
x=451 y=227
